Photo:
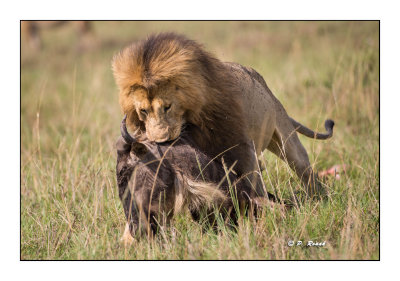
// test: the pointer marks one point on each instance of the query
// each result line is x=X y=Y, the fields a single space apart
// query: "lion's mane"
x=210 y=97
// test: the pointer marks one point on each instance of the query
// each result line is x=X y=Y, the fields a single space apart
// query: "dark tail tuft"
x=329 y=126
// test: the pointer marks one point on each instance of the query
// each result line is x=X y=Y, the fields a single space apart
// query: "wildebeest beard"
x=158 y=180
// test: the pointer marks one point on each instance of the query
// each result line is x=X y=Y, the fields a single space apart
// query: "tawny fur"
x=167 y=81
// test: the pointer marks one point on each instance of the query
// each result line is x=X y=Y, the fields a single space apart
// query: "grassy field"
x=70 y=120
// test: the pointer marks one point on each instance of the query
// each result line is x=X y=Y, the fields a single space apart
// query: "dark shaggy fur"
x=157 y=181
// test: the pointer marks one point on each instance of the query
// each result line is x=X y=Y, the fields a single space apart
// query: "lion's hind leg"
x=286 y=145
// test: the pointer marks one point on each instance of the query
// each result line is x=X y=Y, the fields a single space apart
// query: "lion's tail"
x=314 y=135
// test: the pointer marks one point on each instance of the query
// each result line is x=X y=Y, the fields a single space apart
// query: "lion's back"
x=257 y=99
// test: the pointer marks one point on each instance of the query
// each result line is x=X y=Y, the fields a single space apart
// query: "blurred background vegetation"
x=70 y=120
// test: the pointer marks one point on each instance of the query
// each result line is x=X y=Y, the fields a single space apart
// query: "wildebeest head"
x=164 y=177
x=154 y=177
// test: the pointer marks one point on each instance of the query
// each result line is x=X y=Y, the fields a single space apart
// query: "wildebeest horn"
x=124 y=132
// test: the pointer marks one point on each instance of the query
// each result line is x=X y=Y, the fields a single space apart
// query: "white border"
x=15 y=11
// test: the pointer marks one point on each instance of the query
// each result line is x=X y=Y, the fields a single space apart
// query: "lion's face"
x=160 y=111
x=164 y=83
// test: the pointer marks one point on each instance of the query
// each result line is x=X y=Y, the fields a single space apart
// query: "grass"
x=70 y=120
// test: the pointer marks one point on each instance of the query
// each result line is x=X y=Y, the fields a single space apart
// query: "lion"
x=168 y=81
x=159 y=180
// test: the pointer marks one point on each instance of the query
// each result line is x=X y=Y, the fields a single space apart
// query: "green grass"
x=70 y=120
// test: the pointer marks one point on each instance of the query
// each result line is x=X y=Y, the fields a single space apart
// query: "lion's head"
x=163 y=84
x=158 y=109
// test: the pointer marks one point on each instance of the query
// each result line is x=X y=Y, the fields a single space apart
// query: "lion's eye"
x=166 y=108
x=143 y=111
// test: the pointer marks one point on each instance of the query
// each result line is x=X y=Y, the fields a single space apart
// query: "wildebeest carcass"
x=158 y=180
